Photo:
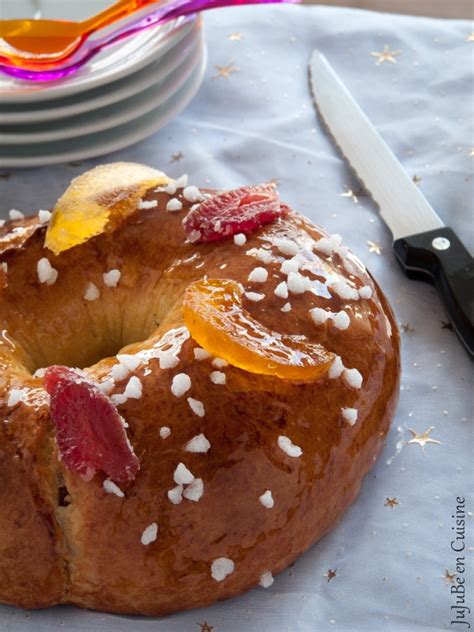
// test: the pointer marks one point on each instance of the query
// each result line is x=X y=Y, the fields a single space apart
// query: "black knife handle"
x=438 y=256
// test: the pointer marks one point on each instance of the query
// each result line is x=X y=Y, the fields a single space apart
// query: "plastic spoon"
x=49 y=41
x=84 y=54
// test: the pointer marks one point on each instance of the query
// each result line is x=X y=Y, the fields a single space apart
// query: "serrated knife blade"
x=402 y=205
x=423 y=245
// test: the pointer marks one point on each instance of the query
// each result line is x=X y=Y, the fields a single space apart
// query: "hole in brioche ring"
x=215 y=317
x=54 y=325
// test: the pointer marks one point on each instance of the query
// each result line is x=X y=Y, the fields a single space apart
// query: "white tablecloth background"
x=260 y=124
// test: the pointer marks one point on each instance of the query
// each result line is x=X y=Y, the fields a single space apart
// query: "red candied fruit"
x=243 y=210
x=89 y=430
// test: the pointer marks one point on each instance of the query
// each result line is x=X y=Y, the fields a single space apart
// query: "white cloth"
x=260 y=124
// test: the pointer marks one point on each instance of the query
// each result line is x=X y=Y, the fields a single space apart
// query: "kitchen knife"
x=425 y=248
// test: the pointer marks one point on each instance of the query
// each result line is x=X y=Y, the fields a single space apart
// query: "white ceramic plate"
x=106 y=117
x=115 y=62
x=13 y=114
x=104 y=142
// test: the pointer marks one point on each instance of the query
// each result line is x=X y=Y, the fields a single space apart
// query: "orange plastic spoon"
x=47 y=41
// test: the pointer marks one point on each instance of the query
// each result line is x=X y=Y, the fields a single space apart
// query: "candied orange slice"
x=215 y=317
x=97 y=200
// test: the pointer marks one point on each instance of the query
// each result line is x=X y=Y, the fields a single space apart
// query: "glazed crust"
x=64 y=540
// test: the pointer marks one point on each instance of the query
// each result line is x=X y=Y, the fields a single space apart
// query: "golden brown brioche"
x=279 y=460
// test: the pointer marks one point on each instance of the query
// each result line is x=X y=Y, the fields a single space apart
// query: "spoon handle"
x=112 y=14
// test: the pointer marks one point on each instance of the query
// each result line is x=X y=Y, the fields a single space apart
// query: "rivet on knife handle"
x=439 y=256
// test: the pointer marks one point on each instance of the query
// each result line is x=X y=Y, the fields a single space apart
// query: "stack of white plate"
x=122 y=95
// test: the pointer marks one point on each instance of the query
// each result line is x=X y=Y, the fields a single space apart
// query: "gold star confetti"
x=360 y=192
x=471 y=153
x=391 y=502
x=349 y=193
x=330 y=574
x=445 y=325
x=375 y=247
x=177 y=157
x=470 y=37
x=225 y=71
x=422 y=439
x=235 y=37
x=416 y=179
x=407 y=328
x=448 y=577
x=205 y=627
x=385 y=55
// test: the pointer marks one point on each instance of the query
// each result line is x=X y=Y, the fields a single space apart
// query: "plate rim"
x=149 y=102
x=106 y=96
x=121 y=141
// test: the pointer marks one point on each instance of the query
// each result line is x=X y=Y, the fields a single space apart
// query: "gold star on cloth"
x=374 y=247
x=235 y=37
x=177 y=157
x=205 y=627
x=391 y=502
x=330 y=574
x=225 y=71
x=422 y=439
x=360 y=192
x=349 y=193
x=470 y=37
x=448 y=577
x=416 y=179
x=407 y=328
x=471 y=153
x=385 y=55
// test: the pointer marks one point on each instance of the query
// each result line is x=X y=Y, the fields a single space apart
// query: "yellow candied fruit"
x=97 y=200
x=215 y=317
